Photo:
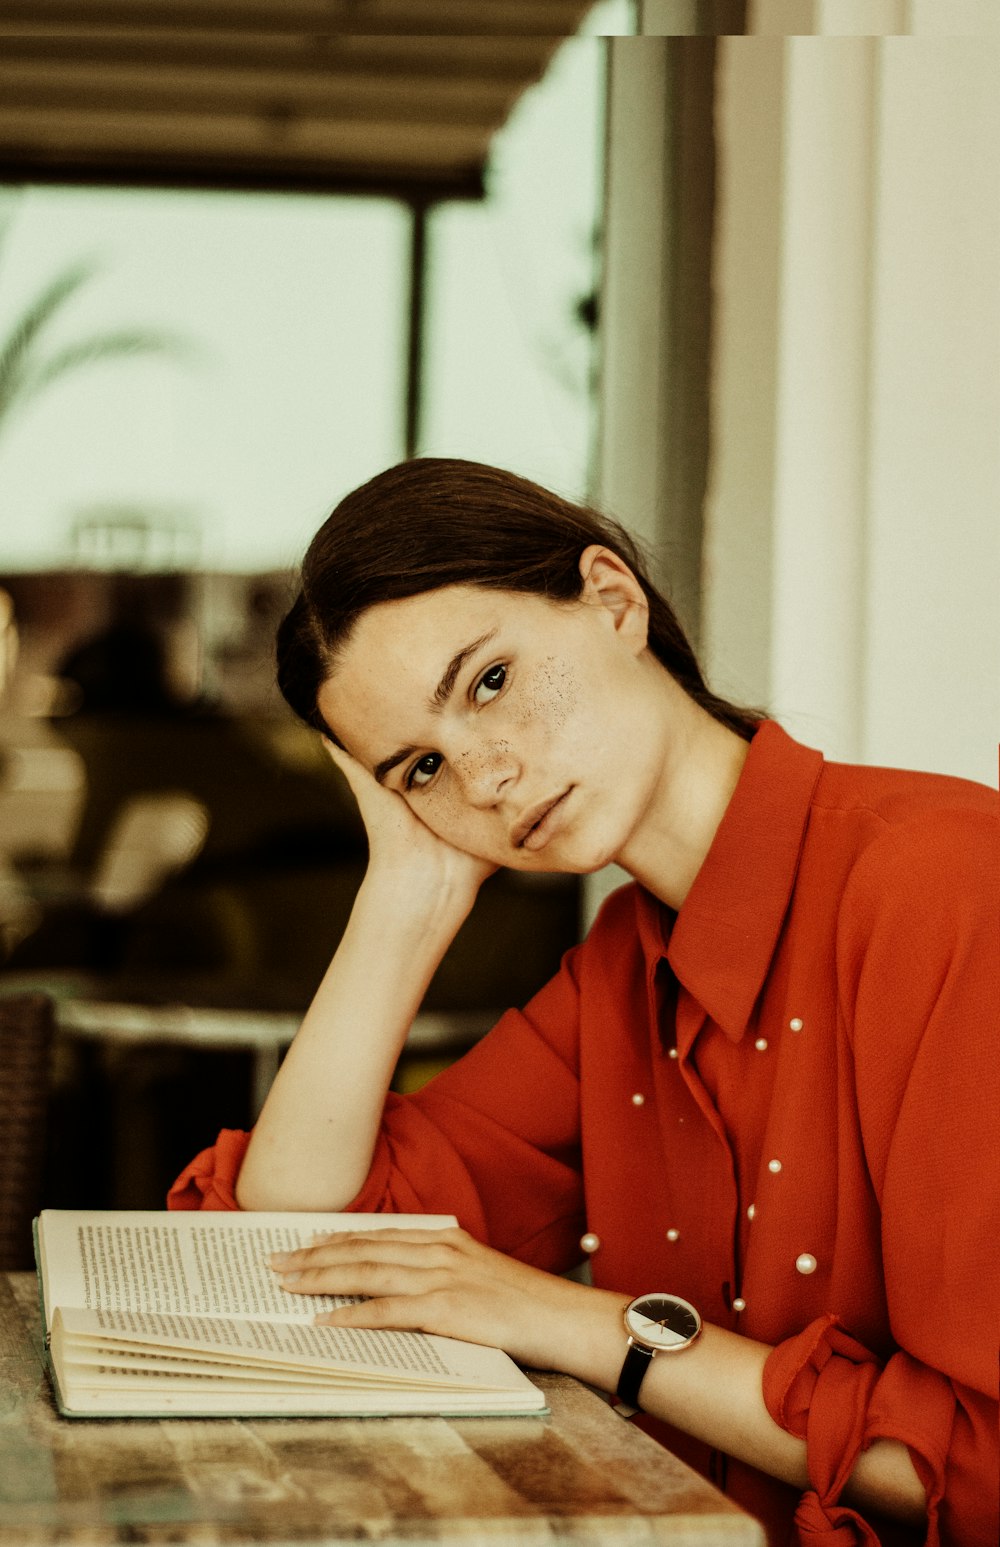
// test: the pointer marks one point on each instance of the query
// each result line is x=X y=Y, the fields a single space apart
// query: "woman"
x=761 y=1085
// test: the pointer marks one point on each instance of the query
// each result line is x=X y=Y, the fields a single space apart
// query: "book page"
x=197 y=1264
x=279 y=1349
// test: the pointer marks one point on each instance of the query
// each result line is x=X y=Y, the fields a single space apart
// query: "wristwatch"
x=656 y=1324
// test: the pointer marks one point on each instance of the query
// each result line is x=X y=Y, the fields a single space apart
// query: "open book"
x=156 y=1313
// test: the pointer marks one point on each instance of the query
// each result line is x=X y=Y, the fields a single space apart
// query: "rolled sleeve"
x=209 y=1182
x=828 y=1390
x=918 y=965
x=494 y=1140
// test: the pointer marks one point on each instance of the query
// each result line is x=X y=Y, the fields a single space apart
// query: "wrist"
x=589 y=1336
x=412 y=906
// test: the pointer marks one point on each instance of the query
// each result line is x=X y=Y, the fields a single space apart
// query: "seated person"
x=761 y=1096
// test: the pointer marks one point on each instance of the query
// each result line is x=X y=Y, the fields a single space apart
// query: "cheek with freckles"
x=550 y=696
x=485 y=763
x=445 y=810
x=459 y=807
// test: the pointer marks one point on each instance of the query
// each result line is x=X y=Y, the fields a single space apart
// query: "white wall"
x=933 y=598
x=852 y=560
x=851 y=564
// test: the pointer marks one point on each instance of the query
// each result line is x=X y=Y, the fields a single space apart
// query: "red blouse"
x=781 y=1103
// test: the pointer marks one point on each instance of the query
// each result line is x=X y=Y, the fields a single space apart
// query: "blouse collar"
x=721 y=943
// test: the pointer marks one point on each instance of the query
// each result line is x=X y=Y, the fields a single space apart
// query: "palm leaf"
x=26 y=369
x=25 y=332
x=34 y=377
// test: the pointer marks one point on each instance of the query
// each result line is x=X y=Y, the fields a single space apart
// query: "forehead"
x=422 y=630
x=397 y=651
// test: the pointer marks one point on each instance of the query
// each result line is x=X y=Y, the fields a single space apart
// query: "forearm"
x=448 y=1283
x=313 y=1142
x=713 y=1391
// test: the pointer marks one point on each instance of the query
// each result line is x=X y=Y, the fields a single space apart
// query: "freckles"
x=551 y=695
x=481 y=759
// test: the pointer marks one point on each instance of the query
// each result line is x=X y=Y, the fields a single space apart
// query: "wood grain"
x=581 y=1476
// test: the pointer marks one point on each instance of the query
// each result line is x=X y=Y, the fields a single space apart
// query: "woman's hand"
x=445 y=1282
x=402 y=848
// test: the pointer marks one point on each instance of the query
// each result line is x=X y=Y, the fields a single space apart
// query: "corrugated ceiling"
x=369 y=96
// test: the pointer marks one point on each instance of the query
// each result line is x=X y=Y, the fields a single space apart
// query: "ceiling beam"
x=551 y=18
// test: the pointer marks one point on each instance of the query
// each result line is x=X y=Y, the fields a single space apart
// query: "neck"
x=701 y=766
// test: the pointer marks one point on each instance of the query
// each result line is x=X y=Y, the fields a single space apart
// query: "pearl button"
x=774 y=1165
x=806 y=1263
x=751 y=1211
x=673 y=1235
x=761 y=1044
x=638 y=1099
x=795 y=1023
x=739 y=1304
x=672 y=1053
x=590 y=1242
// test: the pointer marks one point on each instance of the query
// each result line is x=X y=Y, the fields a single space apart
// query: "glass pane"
x=282 y=392
x=510 y=342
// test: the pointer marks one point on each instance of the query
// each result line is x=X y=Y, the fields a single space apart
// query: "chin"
x=580 y=859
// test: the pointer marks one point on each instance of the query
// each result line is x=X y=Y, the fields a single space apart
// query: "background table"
x=264 y=1034
x=581 y=1476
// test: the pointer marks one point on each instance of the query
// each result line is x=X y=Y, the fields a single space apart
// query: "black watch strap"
x=637 y=1362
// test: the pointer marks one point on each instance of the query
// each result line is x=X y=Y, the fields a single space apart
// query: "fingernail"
x=289 y=1278
x=278 y=1259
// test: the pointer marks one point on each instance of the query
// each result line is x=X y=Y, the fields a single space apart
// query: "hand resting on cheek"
x=401 y=845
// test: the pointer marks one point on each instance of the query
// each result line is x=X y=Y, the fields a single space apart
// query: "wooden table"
x=581 y=1476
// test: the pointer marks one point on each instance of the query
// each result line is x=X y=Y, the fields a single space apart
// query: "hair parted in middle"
x=440 y=521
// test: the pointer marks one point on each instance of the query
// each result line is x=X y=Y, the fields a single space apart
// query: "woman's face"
x=518 y=729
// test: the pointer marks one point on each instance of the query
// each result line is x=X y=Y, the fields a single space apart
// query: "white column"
x=819 y=508
x=634 y=313
x=737 y=599
x=852 y=567
x=634 y=300
x=932 y=689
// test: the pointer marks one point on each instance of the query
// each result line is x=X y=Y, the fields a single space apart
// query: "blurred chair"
x=152 y=838
x=26 y=1029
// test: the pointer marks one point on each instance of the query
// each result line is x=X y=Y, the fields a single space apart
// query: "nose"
x=485 y=771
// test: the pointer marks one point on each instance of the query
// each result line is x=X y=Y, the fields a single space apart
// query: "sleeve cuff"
x=818 y=1386
x=209 y=1182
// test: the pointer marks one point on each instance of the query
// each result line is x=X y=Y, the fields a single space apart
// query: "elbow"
x=258 y=1187
x=262 y=1192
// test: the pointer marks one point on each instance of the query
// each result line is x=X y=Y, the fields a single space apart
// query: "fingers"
x=376 y=803
x=404 y=1261
x=350 y=1243
x=418 y=1280
x=356 y=775
x=421 y=1236
x=369 y=1279
x=411 y=1313
x=438 y=1281
x=383 y=1312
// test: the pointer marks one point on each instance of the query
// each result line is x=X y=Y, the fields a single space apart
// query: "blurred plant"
x=28 y=367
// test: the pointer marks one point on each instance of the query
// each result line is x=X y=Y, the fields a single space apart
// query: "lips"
x=531 y=822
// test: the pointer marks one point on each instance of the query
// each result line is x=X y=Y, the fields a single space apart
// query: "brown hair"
x=438 y=521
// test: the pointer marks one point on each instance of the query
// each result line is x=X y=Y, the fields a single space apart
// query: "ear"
x=609 y=583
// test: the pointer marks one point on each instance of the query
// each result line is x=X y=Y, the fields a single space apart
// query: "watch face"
x=662 y=1321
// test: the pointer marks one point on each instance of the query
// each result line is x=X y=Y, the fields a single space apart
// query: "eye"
x=423 y=771
x=489 y=684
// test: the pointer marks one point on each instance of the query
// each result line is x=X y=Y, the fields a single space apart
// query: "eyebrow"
x=439 y=698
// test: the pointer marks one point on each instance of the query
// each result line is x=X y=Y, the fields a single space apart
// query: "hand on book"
x=445 y=1282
